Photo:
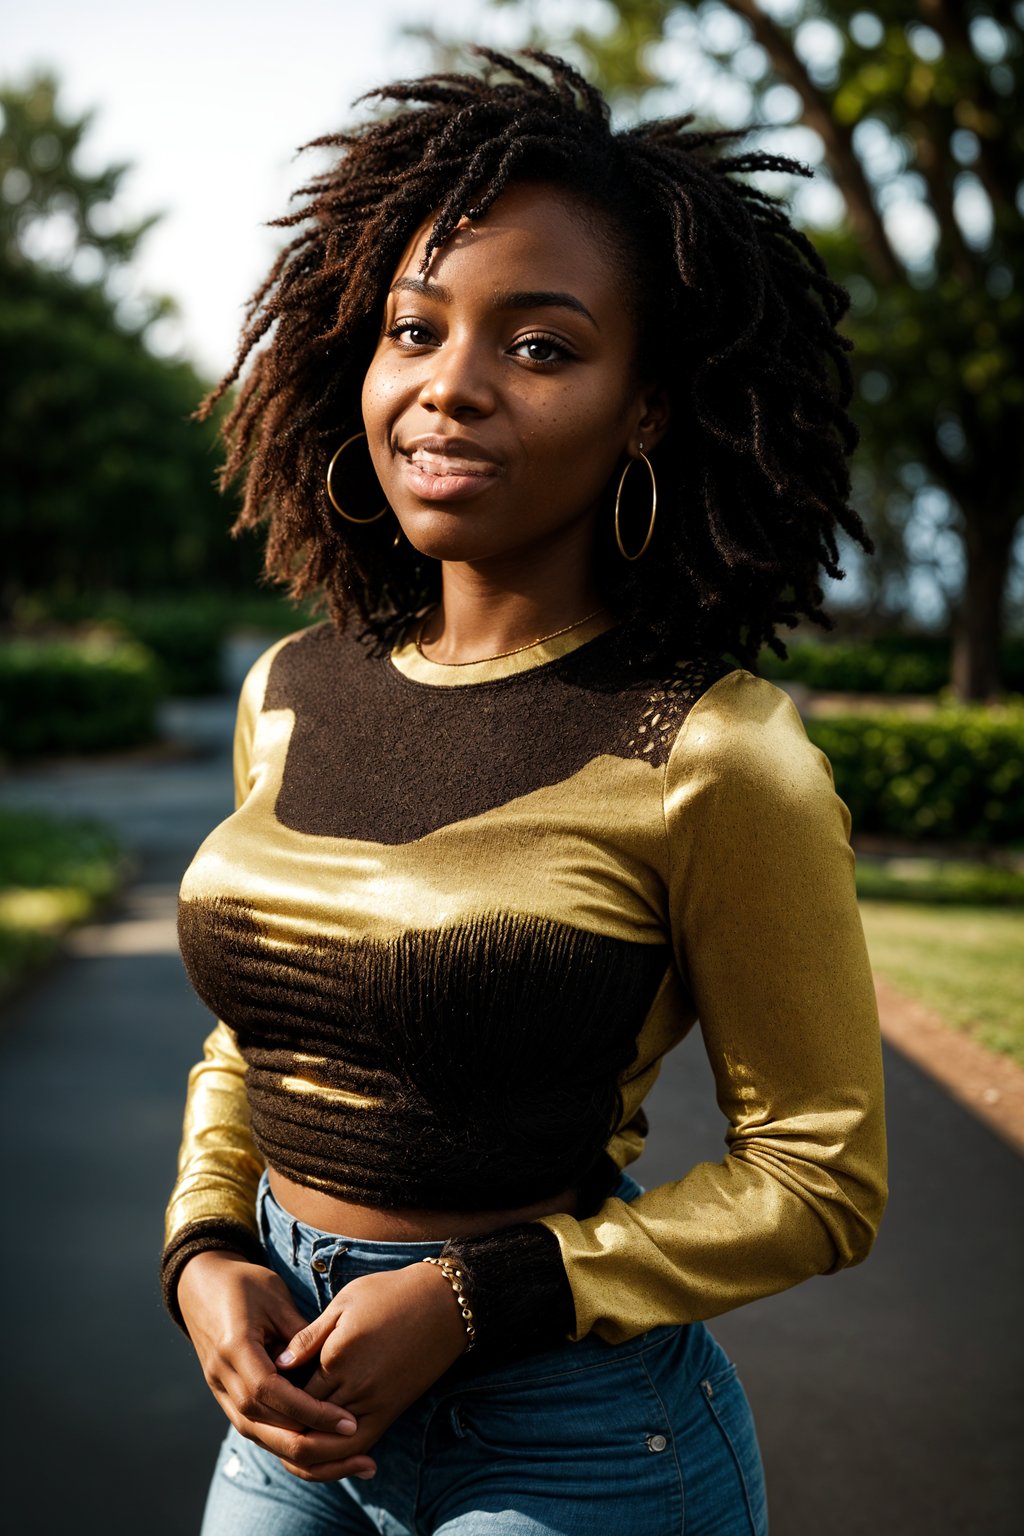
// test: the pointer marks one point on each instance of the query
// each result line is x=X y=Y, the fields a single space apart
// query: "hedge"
x=939 y=882
x=54 y=871
x=185 y=632
x=890 y=664
x=185 y=637
x=90 y=696
x=955 y=775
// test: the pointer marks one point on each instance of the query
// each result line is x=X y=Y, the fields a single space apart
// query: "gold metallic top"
x=724 y=848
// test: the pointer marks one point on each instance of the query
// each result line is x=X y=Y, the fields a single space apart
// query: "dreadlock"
x=736 y=318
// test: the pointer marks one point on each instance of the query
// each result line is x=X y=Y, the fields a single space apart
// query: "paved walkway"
x=889 y=1397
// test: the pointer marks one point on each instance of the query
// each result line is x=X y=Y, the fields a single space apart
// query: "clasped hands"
x=383 y=1340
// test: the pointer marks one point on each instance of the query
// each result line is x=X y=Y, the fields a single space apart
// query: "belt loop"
x=336 y=1270
x=261 y=1214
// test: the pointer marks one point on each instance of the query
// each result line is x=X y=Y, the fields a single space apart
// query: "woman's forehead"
x=534 y=229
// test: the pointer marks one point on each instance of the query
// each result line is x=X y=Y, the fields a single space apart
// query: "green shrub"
x=53 y=872
x=889 y=664
x=939 y=882
x=185 y=637
x=957 y=774
x=185 y=632
x=40 y=850
x=90 y=696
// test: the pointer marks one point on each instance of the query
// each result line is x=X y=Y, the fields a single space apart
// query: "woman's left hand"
x=382 y=1341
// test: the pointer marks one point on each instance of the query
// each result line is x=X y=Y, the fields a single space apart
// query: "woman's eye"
x=541 y=349
x=409 y=331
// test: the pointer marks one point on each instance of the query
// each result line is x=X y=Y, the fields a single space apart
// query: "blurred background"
x=143 y=149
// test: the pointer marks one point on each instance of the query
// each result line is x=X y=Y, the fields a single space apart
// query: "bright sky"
x=209 y=99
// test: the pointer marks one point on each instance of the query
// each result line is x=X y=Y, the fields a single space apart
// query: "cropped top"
x=457 y=919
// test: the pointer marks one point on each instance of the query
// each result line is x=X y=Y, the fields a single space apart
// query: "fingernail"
x=286 y=1358
x=346 y=1426
x=365 y=1476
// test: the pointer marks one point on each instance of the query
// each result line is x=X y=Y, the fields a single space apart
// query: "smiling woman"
x=510 y=823
x=496 y=417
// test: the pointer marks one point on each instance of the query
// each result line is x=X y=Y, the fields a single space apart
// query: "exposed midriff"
x=328 y=1213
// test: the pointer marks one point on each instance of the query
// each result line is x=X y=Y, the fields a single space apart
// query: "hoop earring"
x=333 y=499
x=654 y=507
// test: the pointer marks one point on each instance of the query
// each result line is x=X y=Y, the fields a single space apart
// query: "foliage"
x=40 y=851
x=186 y=637
x=46 y=191
x=957 y=774
x=888 y=664
x=105 y=481
x=914 y=110
x=186 y=632
x=939 y=882
x=87 y=697
x=52 y=872
x=967 y=963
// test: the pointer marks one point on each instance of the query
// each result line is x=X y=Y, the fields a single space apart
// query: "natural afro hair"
x=736 y=320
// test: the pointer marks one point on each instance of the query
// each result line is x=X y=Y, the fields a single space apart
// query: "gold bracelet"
x=454 y=1278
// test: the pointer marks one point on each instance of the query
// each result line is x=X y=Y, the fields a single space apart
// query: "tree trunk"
x=978 y=632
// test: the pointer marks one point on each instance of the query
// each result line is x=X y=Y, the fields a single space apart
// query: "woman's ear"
x=652 y=421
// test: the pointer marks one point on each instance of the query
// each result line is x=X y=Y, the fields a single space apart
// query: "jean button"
x=656 y=1442
x=320 y=1265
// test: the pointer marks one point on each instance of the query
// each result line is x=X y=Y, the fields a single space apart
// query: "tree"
x=915 y=107
x=104 y=481
x=44 y=188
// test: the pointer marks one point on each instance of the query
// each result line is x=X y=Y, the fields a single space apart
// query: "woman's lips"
x=447 y=477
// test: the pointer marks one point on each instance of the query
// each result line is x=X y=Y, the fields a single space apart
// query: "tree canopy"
x=106 y=483
x=914 y=110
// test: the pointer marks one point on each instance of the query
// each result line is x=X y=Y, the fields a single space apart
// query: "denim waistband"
x=302 y=1243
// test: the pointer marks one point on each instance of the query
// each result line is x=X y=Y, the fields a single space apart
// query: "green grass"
x=965 y=962
x=53 y=872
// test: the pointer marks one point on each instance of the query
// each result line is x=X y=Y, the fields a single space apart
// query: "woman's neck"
x=486 y=613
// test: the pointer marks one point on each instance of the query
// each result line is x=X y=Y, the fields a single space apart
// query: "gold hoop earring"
x=334 y=500
x=654 y=507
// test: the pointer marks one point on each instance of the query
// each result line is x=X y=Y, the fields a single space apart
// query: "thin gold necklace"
x=501 y=654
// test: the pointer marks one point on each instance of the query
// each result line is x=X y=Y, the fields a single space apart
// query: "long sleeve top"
x=456 y=921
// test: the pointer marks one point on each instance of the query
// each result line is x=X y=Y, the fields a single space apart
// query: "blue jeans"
x=646 y=1438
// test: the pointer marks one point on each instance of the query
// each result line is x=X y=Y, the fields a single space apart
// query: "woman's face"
x=502 y=396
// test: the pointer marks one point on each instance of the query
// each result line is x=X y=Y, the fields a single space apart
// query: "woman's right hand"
x=238 y=1316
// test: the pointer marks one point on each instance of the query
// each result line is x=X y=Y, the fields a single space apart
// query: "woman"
x=511 y=823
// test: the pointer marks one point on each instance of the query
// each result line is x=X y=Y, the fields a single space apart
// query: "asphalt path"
x=888 y=1398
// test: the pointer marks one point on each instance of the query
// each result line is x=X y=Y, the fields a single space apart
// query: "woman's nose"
x=458 y=381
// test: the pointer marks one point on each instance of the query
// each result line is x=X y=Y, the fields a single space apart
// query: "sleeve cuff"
x=518 y=1291
x=203 y=1237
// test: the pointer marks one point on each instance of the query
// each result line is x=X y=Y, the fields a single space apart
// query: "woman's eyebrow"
x=540 y=298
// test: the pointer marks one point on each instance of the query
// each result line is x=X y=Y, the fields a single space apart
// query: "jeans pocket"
x=727 y=1403
x=587 y=1450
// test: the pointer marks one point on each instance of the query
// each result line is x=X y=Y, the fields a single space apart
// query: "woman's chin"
x=440 y=535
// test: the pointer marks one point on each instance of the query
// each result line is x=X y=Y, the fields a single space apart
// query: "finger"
x=307 y=1343
x=262 y=1395
x=333 y=1472
x=311 y=1409
x=305 y=1451
x=327 y=1382
x=284 y=1323
x=230 y=1401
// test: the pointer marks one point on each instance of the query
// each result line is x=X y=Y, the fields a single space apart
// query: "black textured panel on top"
x=488 y=1052
x=374 y=757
